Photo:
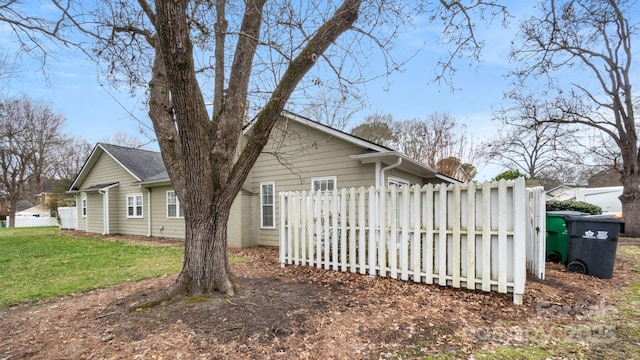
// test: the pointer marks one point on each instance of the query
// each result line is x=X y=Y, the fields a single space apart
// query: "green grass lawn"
x=39 y=263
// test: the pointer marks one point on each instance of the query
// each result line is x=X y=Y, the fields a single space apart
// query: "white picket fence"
x=68 y=217
x=466 y=236
x=31 y=221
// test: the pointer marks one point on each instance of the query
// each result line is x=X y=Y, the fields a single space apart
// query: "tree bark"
x=630 y=178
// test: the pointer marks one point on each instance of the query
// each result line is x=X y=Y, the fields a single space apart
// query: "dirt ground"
x=299 y=312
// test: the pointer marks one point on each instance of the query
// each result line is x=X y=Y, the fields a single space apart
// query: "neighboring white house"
x=605 y=197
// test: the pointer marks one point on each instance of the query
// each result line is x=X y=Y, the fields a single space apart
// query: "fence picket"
x=502 y=237
x=352 y=230
x=303 y=228
x=442 y=256
x=486 y=237
x=343 y=230
x=373 y=224
x=295 y=227
x=471 y=236
x=417 y=234
x=393 y=232
x=404 y=239
x=456 y=248
x=284 y=243
x=362 y=228
x=382 y=233
x=428 y=217
x=334 y=229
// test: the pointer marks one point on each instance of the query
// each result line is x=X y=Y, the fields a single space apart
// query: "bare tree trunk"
x=206 y=267
x=630 y=197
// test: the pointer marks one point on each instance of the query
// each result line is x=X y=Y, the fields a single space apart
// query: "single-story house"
x=122 y=190
x=608 y=197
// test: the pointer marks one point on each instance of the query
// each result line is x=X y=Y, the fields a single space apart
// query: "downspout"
x=381 y=194
x=377 y=170
x=395 y=165
x=148 y=210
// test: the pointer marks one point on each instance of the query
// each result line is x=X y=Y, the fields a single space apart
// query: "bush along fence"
x=473 y=236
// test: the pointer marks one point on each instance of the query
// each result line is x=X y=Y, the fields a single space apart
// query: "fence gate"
x=474 y=236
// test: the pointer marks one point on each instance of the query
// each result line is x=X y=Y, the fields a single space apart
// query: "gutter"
x=148 y=210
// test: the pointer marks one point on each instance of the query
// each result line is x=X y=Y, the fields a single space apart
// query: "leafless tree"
x=334 y=109
x=441 y=142
x=34 y=34
x=243 y=57
x=524 y=141
x=594 y=37
x=68 y=158
x=122 y=138
x=30 y=132
x=376 y=128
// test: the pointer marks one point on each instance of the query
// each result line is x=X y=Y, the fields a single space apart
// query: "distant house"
x=127 y=191
x=606 y=197
x=562 y=192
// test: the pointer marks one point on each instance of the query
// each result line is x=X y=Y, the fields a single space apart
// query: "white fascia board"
x=327 y=130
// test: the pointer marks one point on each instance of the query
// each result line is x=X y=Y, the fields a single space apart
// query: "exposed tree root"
x=179 y=290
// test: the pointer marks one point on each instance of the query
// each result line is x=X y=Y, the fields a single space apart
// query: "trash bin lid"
x=594 y=218
x=566 y=212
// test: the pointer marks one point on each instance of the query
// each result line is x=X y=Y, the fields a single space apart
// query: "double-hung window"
x=396 y=181
x=400 y=208
x=267 y=205
x=83 y=202
x=323 y=183
x=134 y=205
x=174 y=210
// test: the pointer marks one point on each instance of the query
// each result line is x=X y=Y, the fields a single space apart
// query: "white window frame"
x=179 y=213
x=396 y=181
x=83 y=205
x=136 y=205
x=319 y=180
x=272 y=205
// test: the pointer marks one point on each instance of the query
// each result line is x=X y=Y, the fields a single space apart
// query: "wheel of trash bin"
x=577 y=267
x=554 y=257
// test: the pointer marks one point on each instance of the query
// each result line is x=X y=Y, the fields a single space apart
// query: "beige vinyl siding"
x=130 y=225
x=82 y=221
x=106 y=171
x=243 y=221
x=241 y=231
x=95 y=213
x=310 y=154
x=163 y=226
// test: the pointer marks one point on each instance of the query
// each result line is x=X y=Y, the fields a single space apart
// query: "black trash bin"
x=592 y=245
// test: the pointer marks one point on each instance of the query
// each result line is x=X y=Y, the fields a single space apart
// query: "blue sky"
x=95 y=112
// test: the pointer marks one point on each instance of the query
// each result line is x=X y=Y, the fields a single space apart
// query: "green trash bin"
x=4 y=223
x=557 y=235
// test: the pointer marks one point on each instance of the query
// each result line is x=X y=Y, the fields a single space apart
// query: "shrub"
x=573 y=205
x=510 y=175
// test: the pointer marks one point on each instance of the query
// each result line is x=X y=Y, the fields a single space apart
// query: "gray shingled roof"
x=144 y=164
